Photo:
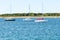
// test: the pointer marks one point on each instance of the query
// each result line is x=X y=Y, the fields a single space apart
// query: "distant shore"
x=31 y=17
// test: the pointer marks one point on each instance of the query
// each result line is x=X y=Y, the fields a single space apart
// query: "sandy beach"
x=32 y=17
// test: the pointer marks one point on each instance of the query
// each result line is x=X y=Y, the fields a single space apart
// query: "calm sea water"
x=30 y=30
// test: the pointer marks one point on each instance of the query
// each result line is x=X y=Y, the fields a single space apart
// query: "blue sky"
x=20 y=6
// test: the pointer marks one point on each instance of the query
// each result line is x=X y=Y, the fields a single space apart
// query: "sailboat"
x=28 y=18
x=10 y=18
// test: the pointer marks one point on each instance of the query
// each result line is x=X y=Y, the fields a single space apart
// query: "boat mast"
x=42 y=7
x=29 y=8
x=10 y=6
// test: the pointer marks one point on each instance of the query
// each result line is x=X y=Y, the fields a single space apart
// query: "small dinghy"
x=40 y=20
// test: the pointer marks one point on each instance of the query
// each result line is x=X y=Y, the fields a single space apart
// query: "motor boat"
x=40 y=20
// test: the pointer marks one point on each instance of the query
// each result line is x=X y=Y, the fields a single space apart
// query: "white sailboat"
x=28 y=18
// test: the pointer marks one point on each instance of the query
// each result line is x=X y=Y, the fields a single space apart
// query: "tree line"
x=31 y=14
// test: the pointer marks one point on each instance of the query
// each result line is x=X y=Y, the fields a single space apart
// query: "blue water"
x=30 y=30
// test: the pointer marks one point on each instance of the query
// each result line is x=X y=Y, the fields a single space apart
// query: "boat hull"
x=10 y=20
x=40 y=20
x=27 y=19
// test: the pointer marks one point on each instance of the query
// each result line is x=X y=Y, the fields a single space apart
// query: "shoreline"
x=32 y=17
